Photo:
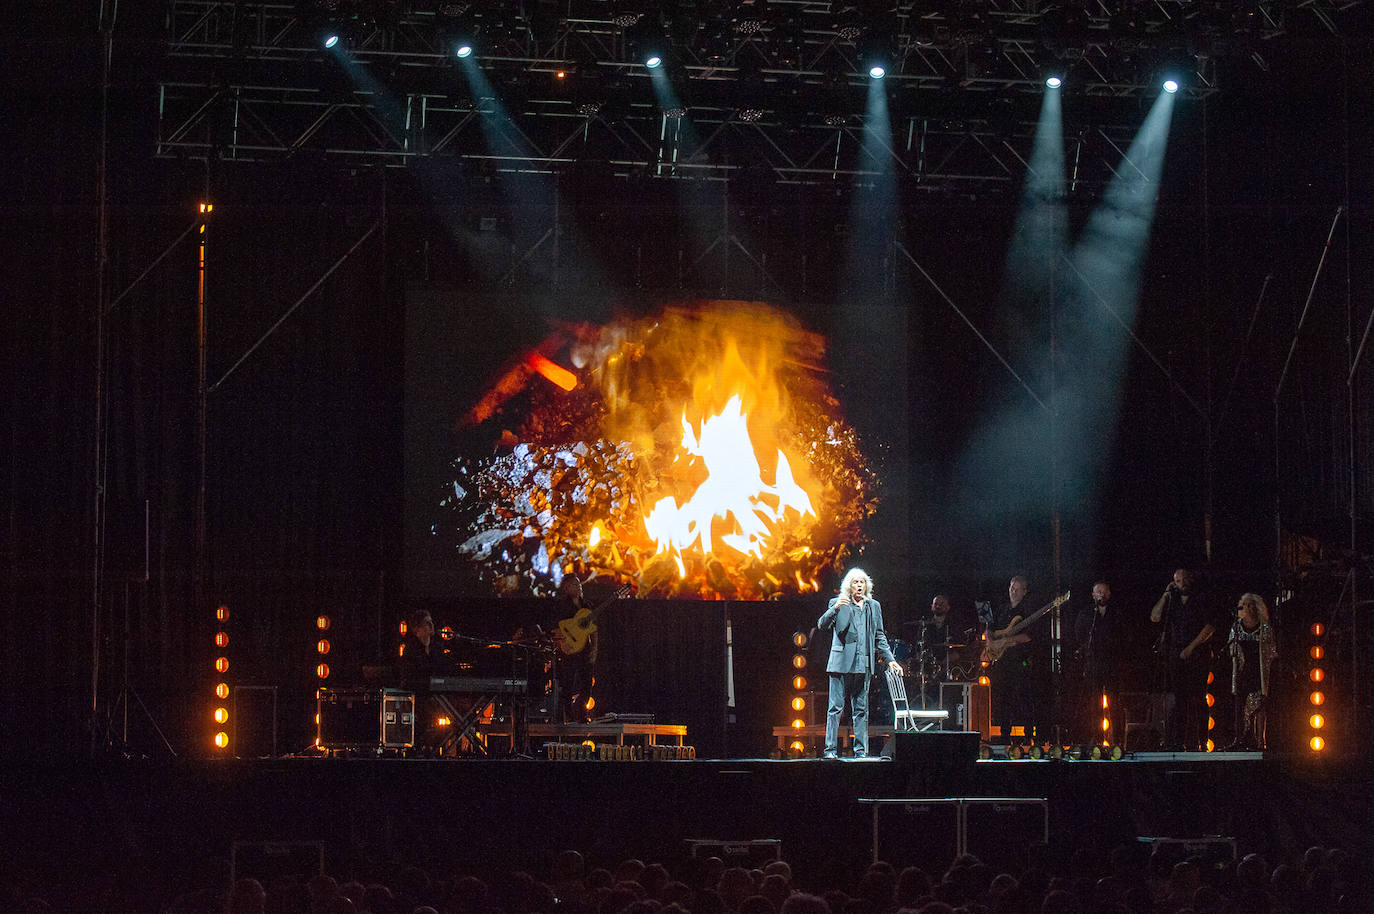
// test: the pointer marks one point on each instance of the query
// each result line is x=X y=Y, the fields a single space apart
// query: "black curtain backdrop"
x=305 y=457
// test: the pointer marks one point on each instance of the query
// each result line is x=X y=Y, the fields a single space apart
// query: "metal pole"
x=107 y=20
x=202 y=421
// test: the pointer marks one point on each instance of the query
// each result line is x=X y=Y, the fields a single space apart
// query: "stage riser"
x=494 y=816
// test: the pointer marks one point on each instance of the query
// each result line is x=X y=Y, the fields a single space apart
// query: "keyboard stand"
x=464 y=725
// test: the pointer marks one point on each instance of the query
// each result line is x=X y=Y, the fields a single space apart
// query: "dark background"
x=306 y=476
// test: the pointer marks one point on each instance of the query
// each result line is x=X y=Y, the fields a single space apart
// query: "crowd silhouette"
x=1130 y=879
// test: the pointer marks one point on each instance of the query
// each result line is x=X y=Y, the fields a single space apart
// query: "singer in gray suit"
x=857 y=621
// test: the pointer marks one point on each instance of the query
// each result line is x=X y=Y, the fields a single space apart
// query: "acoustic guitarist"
x=1015 y=686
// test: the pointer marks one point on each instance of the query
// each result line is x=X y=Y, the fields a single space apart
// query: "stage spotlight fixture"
x=1054 y=82
x=329 y=39
x=653 y=61
x=875 y=54
x=463 y=50
x=1171 y=86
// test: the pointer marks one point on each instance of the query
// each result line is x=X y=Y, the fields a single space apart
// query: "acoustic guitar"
x=998 y=646
x=579 y=627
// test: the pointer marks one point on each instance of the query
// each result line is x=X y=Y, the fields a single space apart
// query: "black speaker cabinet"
x=941 y=750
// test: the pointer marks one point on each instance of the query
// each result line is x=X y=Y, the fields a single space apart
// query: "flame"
x=697 y=452
x=733 y=489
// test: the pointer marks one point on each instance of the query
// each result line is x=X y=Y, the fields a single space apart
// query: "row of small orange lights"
x=221 y=715
x=1316 y=653
x=322 y=623
x=1106 y=721
x=800 y=641
x=1211 y=703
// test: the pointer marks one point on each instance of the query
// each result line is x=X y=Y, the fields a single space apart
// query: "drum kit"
x=932 y=660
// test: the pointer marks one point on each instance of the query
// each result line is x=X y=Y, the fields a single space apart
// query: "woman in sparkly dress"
x=1252 y=648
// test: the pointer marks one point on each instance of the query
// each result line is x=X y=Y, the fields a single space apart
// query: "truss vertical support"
x=202 y=415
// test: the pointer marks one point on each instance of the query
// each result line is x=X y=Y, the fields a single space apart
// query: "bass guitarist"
x=1016 y=687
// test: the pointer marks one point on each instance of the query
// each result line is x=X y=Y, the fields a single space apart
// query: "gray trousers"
x=853 y=686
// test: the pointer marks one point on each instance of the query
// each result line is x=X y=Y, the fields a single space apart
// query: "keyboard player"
x=420 y=652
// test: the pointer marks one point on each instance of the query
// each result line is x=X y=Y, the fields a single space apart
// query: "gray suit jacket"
x=844 y=646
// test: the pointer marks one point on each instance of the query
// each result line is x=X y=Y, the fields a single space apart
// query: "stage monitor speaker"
x=939 y=750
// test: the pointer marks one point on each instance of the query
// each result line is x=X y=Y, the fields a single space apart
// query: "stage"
x=359 y=814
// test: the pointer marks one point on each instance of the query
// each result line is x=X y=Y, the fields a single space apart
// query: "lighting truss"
x=246 y=81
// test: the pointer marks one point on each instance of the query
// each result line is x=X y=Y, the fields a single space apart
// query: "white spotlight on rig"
x=1053 y=82
x=1171 y=86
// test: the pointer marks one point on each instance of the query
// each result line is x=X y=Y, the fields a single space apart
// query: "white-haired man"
x=859 y=640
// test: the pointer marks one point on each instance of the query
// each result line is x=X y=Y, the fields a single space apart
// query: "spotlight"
x=463 y=50
x=1171 y=86
x=653 y=61
x=329 y=40
x=1053 y=82
x=875 y=52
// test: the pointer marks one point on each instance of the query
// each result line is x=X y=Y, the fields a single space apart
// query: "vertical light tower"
x=220 y=715
x=1316 y=674
x=800 y=642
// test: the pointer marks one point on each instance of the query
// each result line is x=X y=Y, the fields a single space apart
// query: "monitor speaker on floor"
x=936 y=749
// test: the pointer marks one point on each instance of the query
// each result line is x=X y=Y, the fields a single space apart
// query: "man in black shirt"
x=1095 y=655
x=1183 y=659
x=1017 y=667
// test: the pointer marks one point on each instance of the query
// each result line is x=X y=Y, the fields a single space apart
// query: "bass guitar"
x=578 y=628
x=998 y=646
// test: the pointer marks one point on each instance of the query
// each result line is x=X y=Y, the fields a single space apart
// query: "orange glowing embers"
x=695 y=453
